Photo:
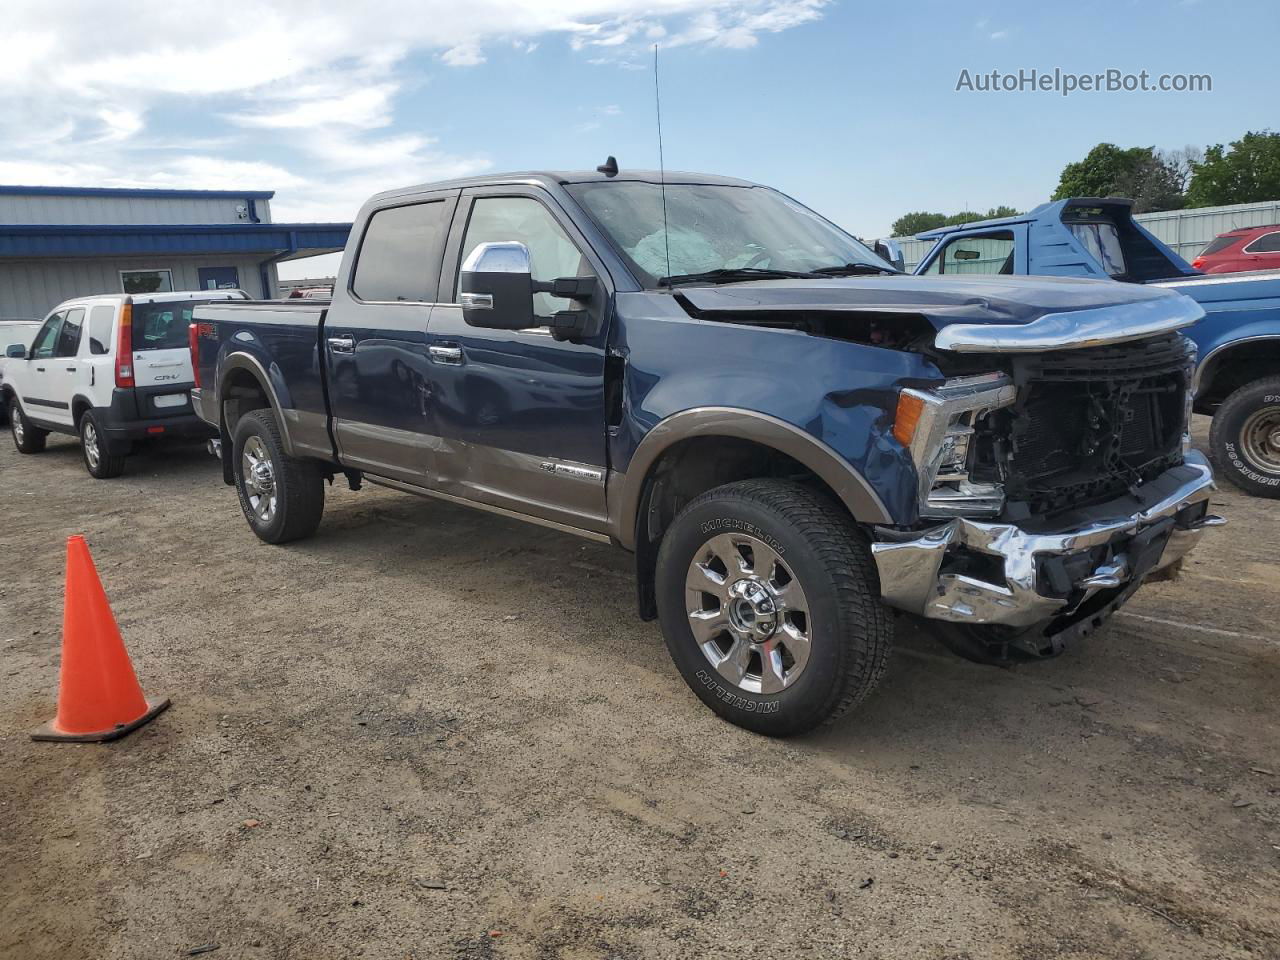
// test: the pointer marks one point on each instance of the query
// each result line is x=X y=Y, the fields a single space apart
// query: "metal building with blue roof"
x=63 y=242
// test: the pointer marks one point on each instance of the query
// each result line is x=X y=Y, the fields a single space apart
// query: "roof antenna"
x=662 y=168
x=609 y=168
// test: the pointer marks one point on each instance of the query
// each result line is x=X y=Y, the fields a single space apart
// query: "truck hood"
x=1038 y=312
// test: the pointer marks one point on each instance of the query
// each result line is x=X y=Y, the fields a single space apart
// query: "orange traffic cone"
x=98 y=696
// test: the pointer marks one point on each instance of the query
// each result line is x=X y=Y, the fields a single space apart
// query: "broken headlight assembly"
x=937 y=428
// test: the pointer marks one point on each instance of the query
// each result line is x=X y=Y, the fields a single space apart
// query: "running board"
x=487 y=507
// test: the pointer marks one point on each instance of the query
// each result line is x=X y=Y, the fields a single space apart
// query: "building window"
x=146 y=281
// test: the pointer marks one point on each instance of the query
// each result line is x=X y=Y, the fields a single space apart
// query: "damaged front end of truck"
x=1052 y=484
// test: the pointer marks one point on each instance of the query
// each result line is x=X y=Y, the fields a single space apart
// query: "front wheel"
x=282 y=497
x=27 y=437
x=98 y=460
x=1244 y=439
x=770 y=606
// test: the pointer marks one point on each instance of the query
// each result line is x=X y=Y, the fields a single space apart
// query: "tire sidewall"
x=814 y=691
x=1228 y=423
x=15 y=421
x=30 y=439
x=100 y=472
x=250 y=426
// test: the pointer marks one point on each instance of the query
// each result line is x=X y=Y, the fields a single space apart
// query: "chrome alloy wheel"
x=1260 y=439
x=89 y=440
x=748 y=613
x=15 y=418
x=259 y=479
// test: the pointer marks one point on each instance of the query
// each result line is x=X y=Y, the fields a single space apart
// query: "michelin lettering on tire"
x=731 y=698
x=722 y=524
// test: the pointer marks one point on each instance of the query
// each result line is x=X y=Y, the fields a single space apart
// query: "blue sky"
x=849 y=106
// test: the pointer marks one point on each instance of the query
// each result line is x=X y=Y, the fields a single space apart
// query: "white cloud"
x=463 y=55
x=87 y=93
x=367 y=109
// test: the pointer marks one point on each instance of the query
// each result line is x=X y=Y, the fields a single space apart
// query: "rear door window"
x=101 y=320
x=399 y=259
x=69 y=335
x=1267 y=243
x=162 y=326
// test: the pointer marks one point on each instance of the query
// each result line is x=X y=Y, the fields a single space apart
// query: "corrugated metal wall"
x=1187 y=231
x=31 y=288
x=94 y=209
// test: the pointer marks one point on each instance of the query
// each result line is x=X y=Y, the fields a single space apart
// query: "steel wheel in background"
x=1260 y=440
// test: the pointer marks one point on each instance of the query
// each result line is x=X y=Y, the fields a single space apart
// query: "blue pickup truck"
x=795 y=440
x=1238 y=372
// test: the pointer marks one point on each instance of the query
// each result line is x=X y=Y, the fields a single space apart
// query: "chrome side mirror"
x=495 y=287
x=15 y=351
x=891 y=250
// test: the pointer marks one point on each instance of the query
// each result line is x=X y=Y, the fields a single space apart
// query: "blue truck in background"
x=796 y=441
x=1237 y=376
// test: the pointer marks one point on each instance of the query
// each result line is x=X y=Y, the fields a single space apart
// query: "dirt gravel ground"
x=432 y=732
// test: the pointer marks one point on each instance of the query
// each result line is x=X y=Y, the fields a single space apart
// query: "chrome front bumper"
x=969 y=571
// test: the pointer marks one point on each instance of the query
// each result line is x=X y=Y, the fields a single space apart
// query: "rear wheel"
x=282 y=497
x=770 y=606
x=98 y=459
x=1244 y=439
x=27 y=437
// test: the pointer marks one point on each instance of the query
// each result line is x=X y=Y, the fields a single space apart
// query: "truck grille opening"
x=1090 y=424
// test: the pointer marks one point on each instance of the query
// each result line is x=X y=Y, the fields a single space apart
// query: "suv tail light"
x=124 y=348
x=193 y=343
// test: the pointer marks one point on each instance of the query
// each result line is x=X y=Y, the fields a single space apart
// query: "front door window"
x=987 y=253
x=47 y=338
x=551 y=253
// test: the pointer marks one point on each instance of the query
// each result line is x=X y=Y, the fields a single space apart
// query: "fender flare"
x=78 y=400
x=858 y=496
x=1209 y=363
x=245 y=361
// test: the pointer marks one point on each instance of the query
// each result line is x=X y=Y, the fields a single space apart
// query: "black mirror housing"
x=495 y=287
x=15 y=351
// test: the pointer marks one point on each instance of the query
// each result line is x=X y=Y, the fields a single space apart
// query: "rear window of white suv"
x=162 y=326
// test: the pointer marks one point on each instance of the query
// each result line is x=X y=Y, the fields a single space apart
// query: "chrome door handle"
x=346 y=344
x=449 y=355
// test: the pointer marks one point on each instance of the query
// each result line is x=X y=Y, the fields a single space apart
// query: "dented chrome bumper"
x=970 y=571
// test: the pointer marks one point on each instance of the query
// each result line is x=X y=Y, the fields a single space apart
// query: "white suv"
x=109 y=369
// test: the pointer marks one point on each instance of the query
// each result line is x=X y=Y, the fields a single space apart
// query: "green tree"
x=1247 y=172
x=1151 y=179
x=910 y=224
